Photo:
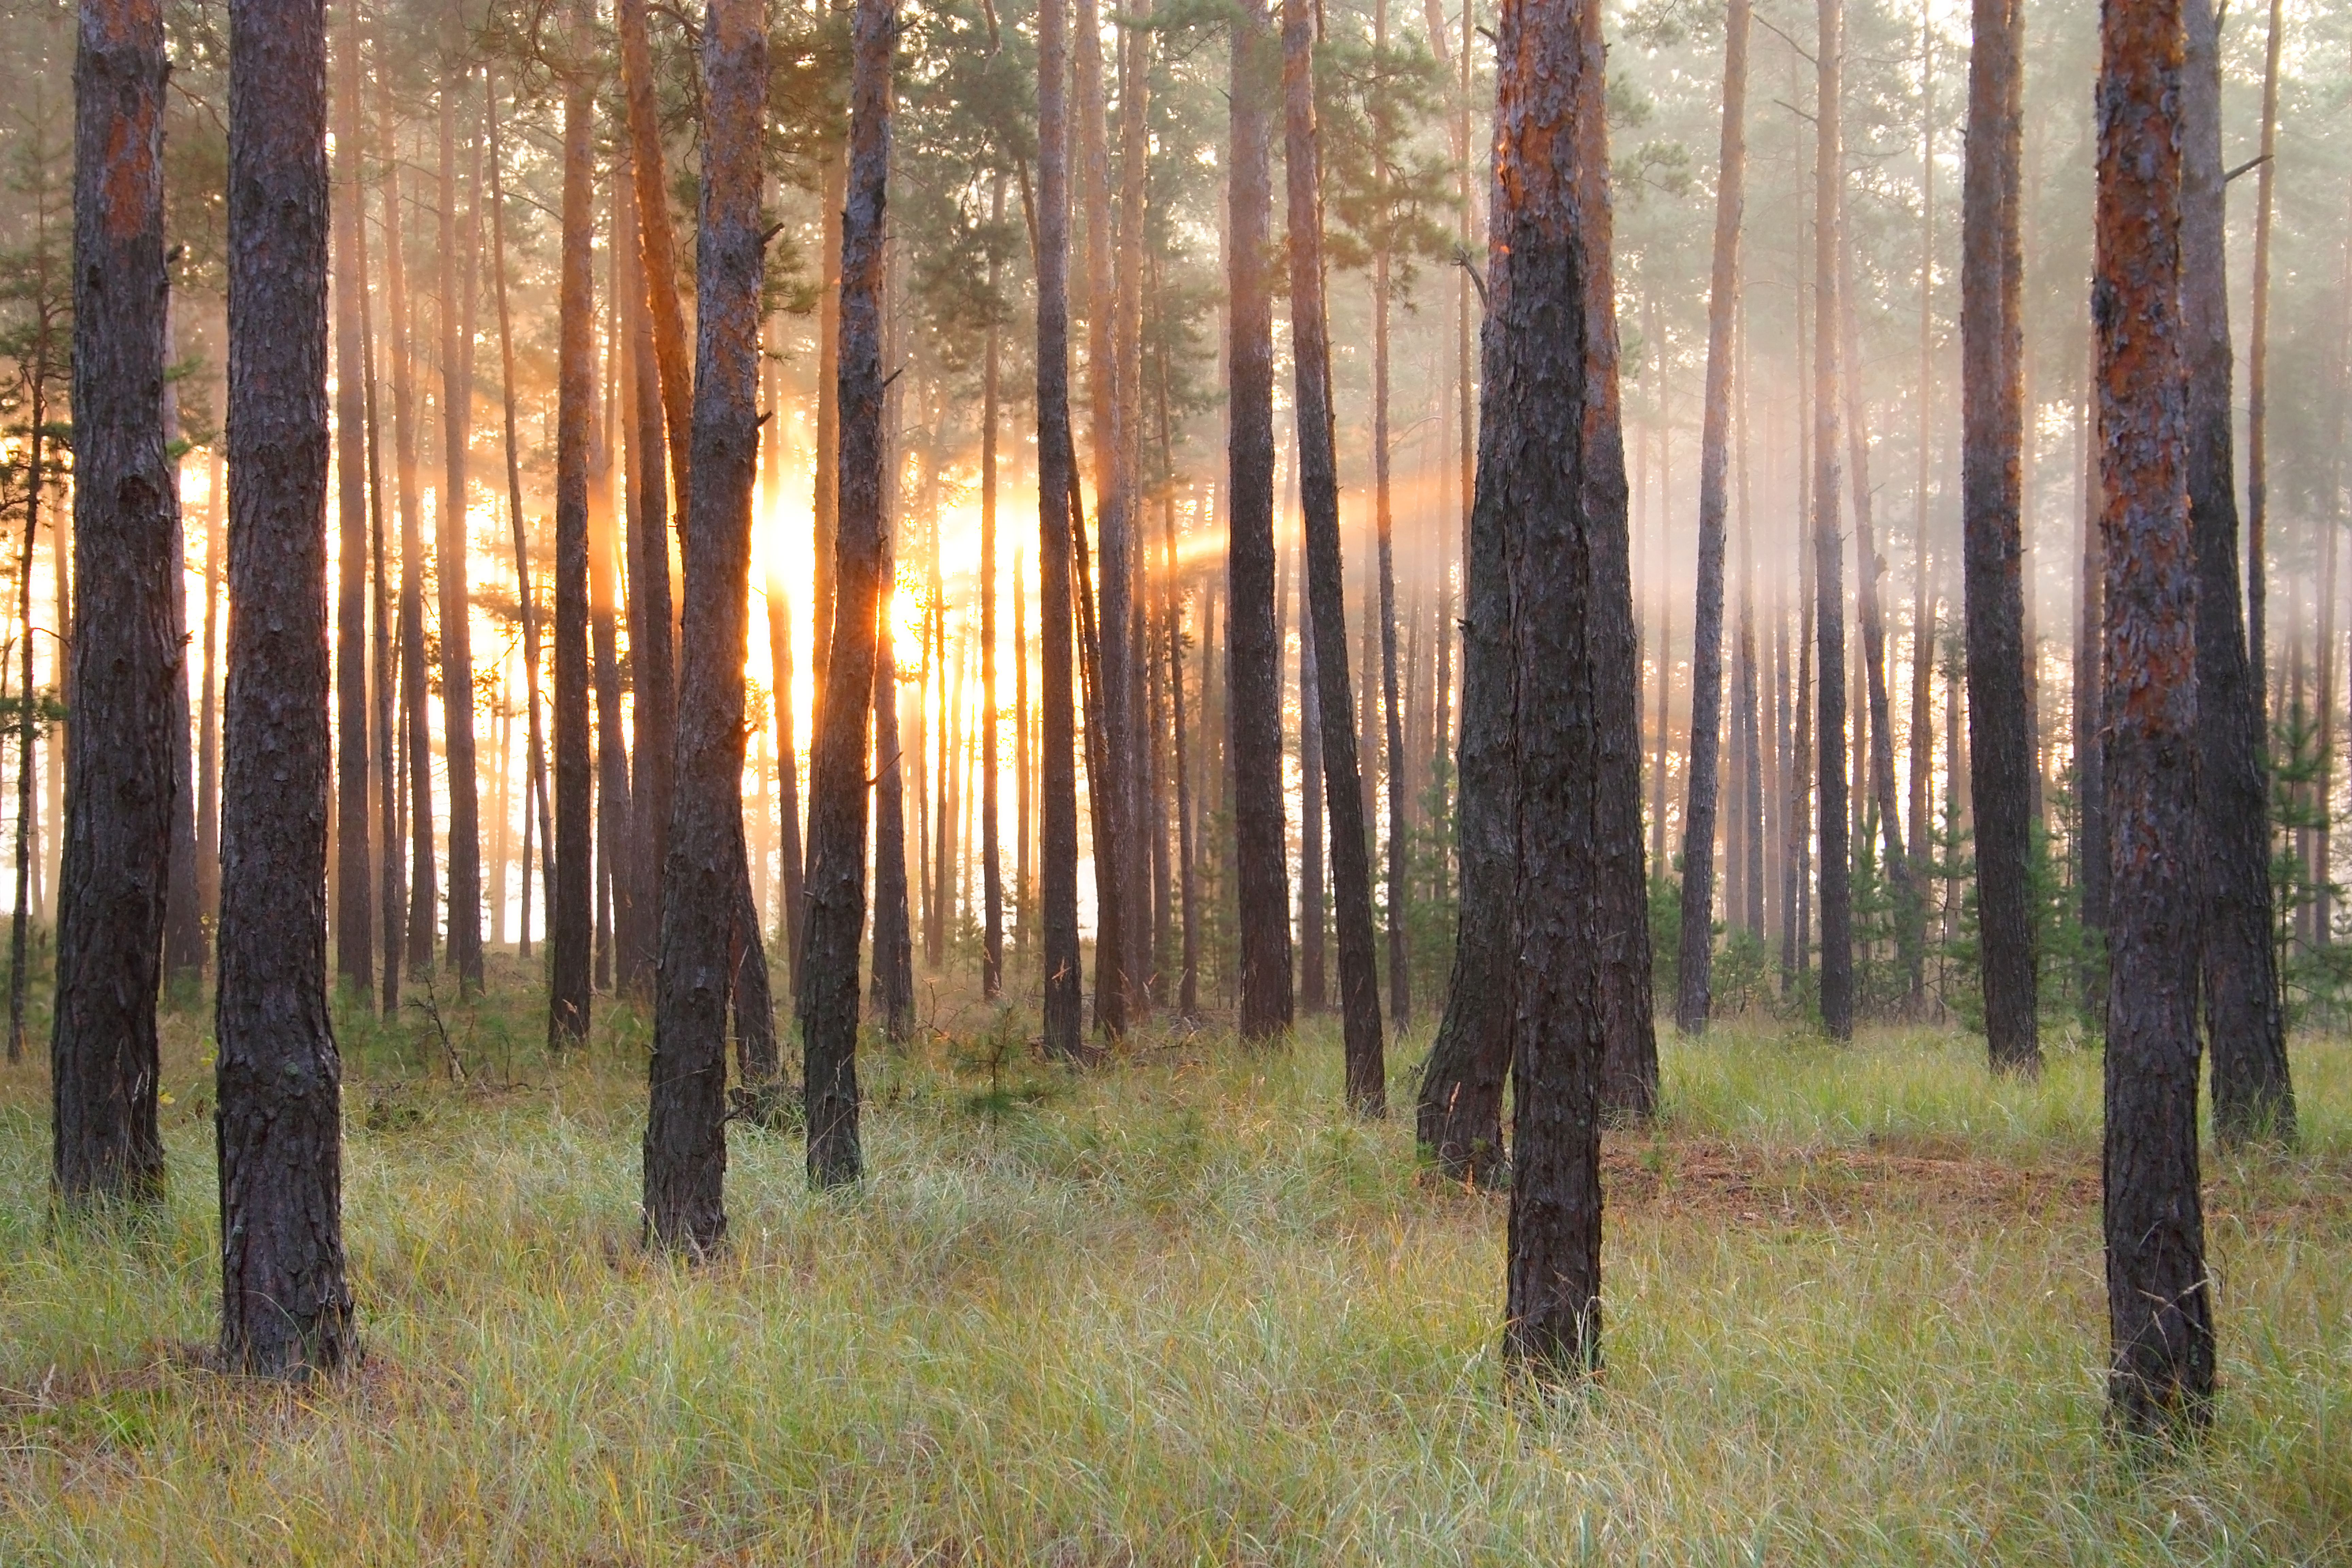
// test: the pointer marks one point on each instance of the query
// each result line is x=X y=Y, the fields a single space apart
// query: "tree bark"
x=653 y=672
x=1991 y=380
x=1314 y=917
x=837 y=787
x=1828 y=549
x=1697 y=952
x=1319 y=489
x=658 y=237
x=451 y=544
x=1253 y=658
x=571 y=915
x=355 y=879
x=121 y=781
x=788 y=772
x=284 y=1308
x=2160 y=1311
x=2254 y=1094
x=702 y=919
x=392 y=886
x=1922 y=603
x=1551 y=482
x=991 y=863
x=208 y=710
x=2258 y=387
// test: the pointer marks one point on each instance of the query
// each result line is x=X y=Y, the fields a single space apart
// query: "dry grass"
x=1176 y=1309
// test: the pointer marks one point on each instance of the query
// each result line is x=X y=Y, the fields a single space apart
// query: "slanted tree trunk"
x=1828 y=547
x=285 y=1308
x=121 y=781
x=1551 y=482
x=2254 y=1093
x=1313 y=916
x=703 y=917
x=571 y=914
x=450 y=569
x=653 y=673
x=355 y=880
x=837 y=787
x=1253 y=658
x=1319 y=489
x=422 y=912
x=536 y=790
x=1868 y=567
x=2160 y=1308
x=788 y=773
x=2000 y=740
x=1696 y=951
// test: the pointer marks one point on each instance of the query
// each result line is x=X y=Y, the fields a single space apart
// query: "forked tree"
x=837 y=789
x=1550 y=517
x=2160 y=1311
x=120 y=782
x=286 y=1310
x=686 y=1131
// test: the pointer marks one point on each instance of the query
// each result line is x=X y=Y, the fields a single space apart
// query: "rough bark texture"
x=284 y=1308
x=2160 y=1311
x=2001 y=742
x=1697 y=935
x=1319 y=489
x=2253 y=1091
x=571 y=912
x=1829 y=548
x=355 y=876
x=451 y=546
x=837 y=788
x=121 y=783
x=685 y=1128
x=1253 y=656
x=1551 y=481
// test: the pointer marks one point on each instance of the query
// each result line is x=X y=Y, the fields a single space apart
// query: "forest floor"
x=1174 y=1308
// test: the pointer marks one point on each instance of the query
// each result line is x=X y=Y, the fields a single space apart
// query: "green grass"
x=1176 y=1309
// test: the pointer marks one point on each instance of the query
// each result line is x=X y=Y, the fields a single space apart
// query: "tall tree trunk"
x=1551 y=481
x=423 y=905
x=569 y=912
x=355 y=879
x=652 y=669
x=2258 y=386
x=616 y=822
x=2000 y=740
x=1188 y=981
x=2254 y=1093
x=184 y=924
x=1057 y=802
x=1318 y=491
x=121 y=779
x=451 y=543
x=2160 y=1311
x=44 y=366
x=991 y=863
x=837 y=787
x=2091 y=866
x=537 y=791
x=1922 y=603
x=657 y=236
x=1254 y=658
x=1123 y=611
x=825 y=510
x=392 y=886
x=1829 y=549
x=1399 y=971
x=1697 y=952
x=685 y=1128
x=285 y=1308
